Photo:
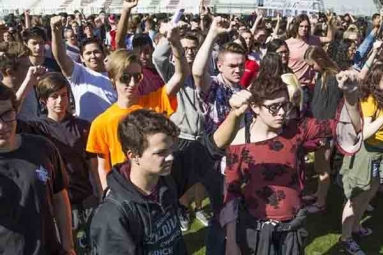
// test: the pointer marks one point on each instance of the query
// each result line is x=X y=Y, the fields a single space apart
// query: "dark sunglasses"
x=274 y=108
x=127 y=77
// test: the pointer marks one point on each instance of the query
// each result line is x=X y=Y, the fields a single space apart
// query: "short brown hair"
x=231 y=47
x=119 y=60
x=51 y=83
x=8 y=94
x=265 y=88
x=134 y=129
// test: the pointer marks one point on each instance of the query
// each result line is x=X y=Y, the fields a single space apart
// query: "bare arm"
x=366 y=68
x=257 y=21
x=200 y=66
x=93 y=167
x=102 y=162
x=348 y=82
x=371 y=127
x=63 y=216
x=27 y=20
x=31 y=79
x=122 y=26
x=277 y=26
x=58 y=48
x=330 y=30
x=181 y=67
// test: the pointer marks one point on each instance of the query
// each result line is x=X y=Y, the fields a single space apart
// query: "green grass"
x=324 y=229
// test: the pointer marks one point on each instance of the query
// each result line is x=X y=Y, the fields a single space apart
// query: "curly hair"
x=342 y=57
x=266 y=87
x=371 y=85
x=134 y=129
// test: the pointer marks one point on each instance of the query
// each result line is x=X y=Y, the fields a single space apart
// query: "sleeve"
x=78 y=74
x=363 y=50
x=340 y=129
x=160 y=102
x=59 y=175
x=369 y=107
x=110 y=234
x=161 y=60
x=96 y=142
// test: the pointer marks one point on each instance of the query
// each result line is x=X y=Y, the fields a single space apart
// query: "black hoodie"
x=129 y=223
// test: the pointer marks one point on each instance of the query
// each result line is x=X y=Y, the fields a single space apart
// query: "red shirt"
x=251 y=71
x=268 y=174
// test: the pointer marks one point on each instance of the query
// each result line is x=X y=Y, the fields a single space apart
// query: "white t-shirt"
x=93 y=92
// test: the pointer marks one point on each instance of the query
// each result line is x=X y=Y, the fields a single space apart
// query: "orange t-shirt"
x=103 y=138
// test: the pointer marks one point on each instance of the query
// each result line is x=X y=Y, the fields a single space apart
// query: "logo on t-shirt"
x=42 y=174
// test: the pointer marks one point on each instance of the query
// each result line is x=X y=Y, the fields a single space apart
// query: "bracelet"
x=367 y=65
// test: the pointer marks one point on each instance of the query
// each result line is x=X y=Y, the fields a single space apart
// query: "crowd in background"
x=112 y=125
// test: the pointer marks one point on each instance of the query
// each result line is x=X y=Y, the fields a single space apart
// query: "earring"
x=136 y=160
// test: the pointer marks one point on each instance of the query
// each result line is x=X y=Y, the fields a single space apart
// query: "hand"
x=290 y=19
x=279 y=16
x=377 y=45
x=27 y=12
x=34 y=73
x=172 y=33
x=56 y=23
x=330 y=16
x=220 y=26
x=240 y=102
x=348 y=81
x=129 y=5
x=71 y=252
x=313 y=19
x=259 y=14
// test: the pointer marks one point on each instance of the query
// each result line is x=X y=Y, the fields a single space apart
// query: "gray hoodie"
x=188 y=117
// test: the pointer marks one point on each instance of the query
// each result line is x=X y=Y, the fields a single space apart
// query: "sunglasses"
x=274 y=108
x=127 y=77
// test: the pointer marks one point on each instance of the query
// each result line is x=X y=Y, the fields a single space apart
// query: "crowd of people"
x=112 y=125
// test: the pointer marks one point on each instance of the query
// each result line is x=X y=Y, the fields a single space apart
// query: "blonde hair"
x=329 y=68
x=293 y=86
x=118 y=61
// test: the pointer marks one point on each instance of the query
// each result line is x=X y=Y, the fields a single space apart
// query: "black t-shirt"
x=70 y=137
x=325 y=100
x=29 y=176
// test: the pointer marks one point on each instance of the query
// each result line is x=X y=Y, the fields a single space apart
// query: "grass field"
x=324 y=229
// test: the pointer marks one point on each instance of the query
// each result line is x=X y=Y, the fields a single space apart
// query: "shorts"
x=359 y=170
x=81 y=218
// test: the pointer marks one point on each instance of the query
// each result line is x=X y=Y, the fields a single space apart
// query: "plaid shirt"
x=215 y=102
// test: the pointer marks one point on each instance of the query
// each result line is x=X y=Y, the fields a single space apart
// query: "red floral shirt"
x=268 y=174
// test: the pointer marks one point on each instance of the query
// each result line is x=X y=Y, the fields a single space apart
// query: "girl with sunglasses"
x=125 y=72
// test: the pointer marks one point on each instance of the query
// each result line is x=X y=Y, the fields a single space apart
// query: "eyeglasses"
x=274 y=108
x=8 y=116
x=127 y=77
x=192 y=49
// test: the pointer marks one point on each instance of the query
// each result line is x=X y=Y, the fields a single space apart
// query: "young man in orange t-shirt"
x=125 y=71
